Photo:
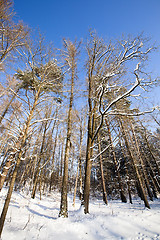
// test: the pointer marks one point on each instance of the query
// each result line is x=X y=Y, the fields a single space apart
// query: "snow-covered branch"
x=117 y=112
x=45 y=119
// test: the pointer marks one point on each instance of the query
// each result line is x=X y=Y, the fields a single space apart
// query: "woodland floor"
x=38 y=219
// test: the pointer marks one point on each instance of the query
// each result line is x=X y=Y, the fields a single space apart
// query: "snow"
x=1 y=160
x=38 y=219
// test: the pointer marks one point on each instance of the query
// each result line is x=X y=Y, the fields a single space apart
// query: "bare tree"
x=12 y=35
x=70 y=57
x=107 y=65
x=43 y=77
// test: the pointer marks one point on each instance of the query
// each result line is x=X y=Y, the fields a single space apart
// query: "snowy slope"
x=34 y=219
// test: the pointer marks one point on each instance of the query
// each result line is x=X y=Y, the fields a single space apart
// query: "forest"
x=74 y=120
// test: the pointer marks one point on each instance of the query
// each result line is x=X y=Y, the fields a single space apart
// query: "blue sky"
x=111 y=18
x=73 y=18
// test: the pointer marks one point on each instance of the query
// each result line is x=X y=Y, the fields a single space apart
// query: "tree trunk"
x=154 y=158
x=80 y=180
x=7 y=107
x=123 y=197
x=79 y=169
x=128 y=177
x=7 y=201
x=8 y=198
x=102 y=173
x=89 y=153
x=154 y=179
x=72 y=53
x=7 y=166
x=5 y=171
x=86 y=191
x=142 y=163
x=75 y=189
x=64 y=205
x=53 y=157
x=139 y=181
x=4 y=156
x=39 y=163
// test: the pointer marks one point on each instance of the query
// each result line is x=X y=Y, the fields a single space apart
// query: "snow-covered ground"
x=38 y=219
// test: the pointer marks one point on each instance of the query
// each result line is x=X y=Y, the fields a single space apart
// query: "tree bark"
x=86 y=191
x=128 y=177
x=89 y=153
x=8 y=198
x=102 y=173
x=123 y=197
x=142 y=163
x=154 y=158
x=139 y=181
x=39 y=163
x=79 y=170
x=7 y=107
x=5 y=170
x=72 y=53
x=75 y=188
x=53 y=158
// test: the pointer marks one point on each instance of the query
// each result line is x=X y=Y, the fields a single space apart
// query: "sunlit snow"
x=38 y=219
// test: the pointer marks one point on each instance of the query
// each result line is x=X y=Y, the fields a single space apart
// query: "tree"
x=43 y=77
x=10 y=92
x=123 y=198
x=12 y=35
x=81 y=119
x=70 y=57
x=102 y=172
x=12 y=40
x=106 y=67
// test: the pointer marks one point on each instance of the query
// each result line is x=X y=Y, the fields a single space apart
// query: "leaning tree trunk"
x=134 y=162
x=10 y=190
x=7 y=107
x=153 y=176
x=7 y=201
x=153 y=186
x=142 y=163
x=154 y=158
x=8 y=165
x=5 y=170
x=4 y=156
